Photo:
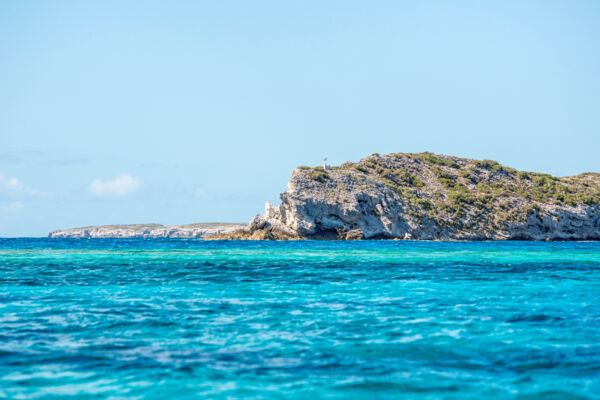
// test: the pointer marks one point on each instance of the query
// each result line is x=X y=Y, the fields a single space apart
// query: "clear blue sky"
x=179 y=112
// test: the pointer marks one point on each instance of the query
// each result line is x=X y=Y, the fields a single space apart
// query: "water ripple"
x=184 y=319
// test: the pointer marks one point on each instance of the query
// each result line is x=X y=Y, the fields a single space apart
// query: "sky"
x=194 y=111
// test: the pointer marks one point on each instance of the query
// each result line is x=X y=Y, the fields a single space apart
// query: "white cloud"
x=200 y=193
x=122 y=185
x=12 y=188
x=10 y=185
x=13 y=206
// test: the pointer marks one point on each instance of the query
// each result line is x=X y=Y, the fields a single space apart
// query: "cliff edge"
x=427 y=196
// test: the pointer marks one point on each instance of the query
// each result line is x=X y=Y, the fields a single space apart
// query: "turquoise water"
x=185 y=319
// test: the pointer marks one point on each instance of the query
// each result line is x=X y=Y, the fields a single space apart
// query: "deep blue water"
x=183 y=319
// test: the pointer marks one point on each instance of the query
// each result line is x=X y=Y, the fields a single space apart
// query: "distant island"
x=409 y=196
x=148 y=231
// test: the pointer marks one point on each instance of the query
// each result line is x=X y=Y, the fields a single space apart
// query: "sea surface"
x=188 y=319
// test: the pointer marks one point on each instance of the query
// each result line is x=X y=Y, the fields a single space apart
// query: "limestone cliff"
x=202 y=230
x=430 y=197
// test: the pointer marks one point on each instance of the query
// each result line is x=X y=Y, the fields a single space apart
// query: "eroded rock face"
x=432 y=197
x=148 y=231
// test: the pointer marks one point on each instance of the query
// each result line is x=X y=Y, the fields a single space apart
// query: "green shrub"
x=522 y=175
x=539 y=179
x=386 y=173
x=465 y=174
x=407 y=178
x=318 y=175
x=440 y=173
x=433 y=159
x=425 y=204
x=445 y=182
x=589 y=200
x=416 y=182
x=371 y=163
x=458 y=197
x=487 y=164
x=502 y=168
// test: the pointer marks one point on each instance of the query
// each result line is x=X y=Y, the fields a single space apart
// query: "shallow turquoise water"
x=179 y=319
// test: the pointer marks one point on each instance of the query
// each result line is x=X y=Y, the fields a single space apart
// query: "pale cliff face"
x=430 y=197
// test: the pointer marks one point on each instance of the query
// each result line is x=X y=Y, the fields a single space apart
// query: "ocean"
x=188 y=319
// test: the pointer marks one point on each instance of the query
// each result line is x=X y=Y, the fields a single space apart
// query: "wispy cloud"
x=200 y=193
x=66 y=161
x=121 y=186
x=11 y=207
x=15 y=157
x=9 y=184
x=39 y=158
x=11 y=187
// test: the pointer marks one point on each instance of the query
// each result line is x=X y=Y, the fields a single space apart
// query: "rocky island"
x=148 y=231
x=427 y=196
